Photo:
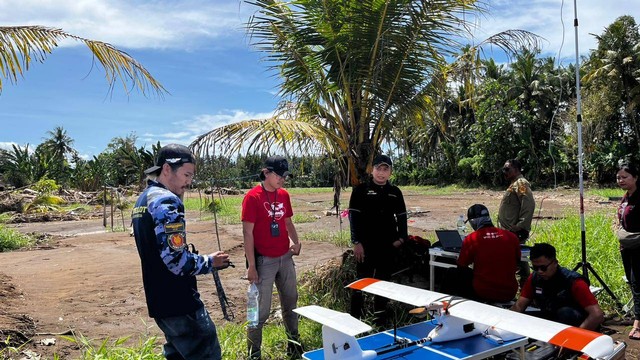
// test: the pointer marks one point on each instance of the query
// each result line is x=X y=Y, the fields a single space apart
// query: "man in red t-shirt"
x=494 y=254
x=270 y=241
x=561 y=294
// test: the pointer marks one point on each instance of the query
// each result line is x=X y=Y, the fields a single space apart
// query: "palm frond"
x=512 y=41
x=269 y=135
x=22 y=45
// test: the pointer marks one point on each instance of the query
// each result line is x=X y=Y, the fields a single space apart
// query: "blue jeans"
x=191 y=336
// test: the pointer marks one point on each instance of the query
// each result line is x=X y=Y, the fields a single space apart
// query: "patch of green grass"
x=603 y=251
x=118 y=228
x=233 y=339
x=437 y=190
x=339 y=238
x=605 y=194
x=11 y=239
x=297 y=191
x=228 y=209
x=5 y=217
x=147 y=348
x=300 y=218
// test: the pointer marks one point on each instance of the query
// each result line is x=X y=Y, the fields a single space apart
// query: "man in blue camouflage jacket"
x=168 y=267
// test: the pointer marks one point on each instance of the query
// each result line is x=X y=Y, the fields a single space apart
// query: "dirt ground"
x=87 y=280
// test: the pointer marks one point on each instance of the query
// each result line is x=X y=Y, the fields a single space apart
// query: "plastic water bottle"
x=462 y=228
x=252 y=305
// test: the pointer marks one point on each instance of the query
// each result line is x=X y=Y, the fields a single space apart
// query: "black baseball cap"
x=171 y=154
x=477 y=211
x=277 y=164
x=382 y=160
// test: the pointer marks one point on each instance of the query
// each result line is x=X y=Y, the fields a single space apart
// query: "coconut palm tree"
x=351 y=71
x=18 y=166
x=614 y=68
x=59 y=143
x=58 y=147
x=22 y=45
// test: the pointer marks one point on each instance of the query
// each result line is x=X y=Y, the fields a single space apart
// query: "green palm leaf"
x=22 y=45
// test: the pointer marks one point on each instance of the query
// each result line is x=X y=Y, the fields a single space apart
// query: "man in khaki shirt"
x=516 y=208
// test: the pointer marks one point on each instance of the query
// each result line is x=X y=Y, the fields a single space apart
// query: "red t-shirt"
x=494 y=254
x=579 y=290
x=261 y=207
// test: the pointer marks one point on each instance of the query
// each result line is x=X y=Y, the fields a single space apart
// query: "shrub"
x=12 y=240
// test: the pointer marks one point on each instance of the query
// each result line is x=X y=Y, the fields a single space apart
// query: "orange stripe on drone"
x=574 y=338
x=363 y=283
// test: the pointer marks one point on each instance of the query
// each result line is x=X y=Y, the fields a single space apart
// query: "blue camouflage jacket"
x=168 y=267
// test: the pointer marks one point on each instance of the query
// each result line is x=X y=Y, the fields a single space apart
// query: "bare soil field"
x=87 y=279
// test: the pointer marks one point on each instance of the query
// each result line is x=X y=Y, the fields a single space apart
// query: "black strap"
x=224 y=302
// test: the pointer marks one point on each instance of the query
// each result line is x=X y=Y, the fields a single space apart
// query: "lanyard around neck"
x=271 y=204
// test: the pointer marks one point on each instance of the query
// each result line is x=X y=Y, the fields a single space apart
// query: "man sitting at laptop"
x=494 y=254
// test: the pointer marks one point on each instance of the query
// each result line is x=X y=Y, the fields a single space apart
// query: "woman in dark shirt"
x=629 y=220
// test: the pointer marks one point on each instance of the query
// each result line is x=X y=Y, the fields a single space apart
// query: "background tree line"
x=481 y=113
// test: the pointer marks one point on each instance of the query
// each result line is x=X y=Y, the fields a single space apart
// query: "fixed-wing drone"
x=457 y=318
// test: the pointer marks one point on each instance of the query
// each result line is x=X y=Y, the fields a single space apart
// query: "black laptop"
x=450 y=240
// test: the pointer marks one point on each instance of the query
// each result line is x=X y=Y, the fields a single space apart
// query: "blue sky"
x=199 y=51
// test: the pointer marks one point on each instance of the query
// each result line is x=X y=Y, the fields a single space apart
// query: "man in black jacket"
x=561 y=295
x=378 y=218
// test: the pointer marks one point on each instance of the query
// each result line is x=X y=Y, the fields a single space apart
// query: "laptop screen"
x=449 y=239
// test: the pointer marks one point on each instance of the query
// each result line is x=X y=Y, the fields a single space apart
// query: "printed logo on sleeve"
x=176 y=241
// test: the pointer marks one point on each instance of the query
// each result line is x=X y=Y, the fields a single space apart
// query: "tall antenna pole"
x=583 y=232
x=584 y=264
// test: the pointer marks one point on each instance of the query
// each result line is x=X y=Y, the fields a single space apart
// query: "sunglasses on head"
x=542 y=268
x=178 y=160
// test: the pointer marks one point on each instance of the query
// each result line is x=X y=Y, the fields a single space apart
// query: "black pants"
x=523 y=266
x=631 y=263
x=564 y=315
x=378 y=268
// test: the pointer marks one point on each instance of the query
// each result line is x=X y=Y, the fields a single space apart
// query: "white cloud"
x=187 y=24
x=134 y=24
x=201 y=124
x=7 y=145
x=85 y=157
x=206 y=122
x=545 y=18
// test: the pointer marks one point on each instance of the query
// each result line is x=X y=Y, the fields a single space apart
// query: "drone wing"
x=589 y=342
x=339 y=321
x=338 y=333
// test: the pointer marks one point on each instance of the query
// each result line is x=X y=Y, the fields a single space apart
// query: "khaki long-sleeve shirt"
x=517 y=206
